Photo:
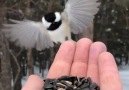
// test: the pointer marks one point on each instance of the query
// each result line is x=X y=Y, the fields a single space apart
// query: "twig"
x=19 y=53
x=30 y=62
x=15 y=59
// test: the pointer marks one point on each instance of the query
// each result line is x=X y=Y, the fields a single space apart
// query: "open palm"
x=82 y=59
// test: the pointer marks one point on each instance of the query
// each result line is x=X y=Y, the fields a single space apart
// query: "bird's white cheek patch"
x=58 y=17
x=45 y=23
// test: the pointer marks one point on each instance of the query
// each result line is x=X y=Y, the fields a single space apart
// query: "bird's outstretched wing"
x=28 y=34
x=79 y=13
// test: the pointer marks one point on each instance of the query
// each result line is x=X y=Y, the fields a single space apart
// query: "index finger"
x=63 y=60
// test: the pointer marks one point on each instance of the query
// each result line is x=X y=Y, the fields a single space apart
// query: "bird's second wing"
x=79 y=13
x=28 y=34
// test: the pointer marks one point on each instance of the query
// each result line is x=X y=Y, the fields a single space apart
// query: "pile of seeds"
x=70 y=83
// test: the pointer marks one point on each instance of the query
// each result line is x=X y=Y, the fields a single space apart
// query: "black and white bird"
x=55 y=27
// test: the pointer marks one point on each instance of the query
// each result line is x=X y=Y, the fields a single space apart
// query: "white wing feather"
x=28 y=34
x=80 y=13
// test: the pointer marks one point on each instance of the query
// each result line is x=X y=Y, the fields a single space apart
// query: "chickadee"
x=55 y=27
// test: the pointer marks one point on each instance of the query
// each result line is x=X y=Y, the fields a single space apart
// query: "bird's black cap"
x=50 y=17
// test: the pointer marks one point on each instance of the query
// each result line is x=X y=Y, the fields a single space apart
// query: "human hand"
x=83 y=59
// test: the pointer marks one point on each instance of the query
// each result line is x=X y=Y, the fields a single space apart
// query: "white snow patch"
x=124 y=73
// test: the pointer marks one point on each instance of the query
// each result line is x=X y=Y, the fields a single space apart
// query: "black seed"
x=50 y=84
x=83 y=89
x=93 y=85
x=73 y=80
x=70 y=83
x=85 y=85
x=89 y=80
x=81 y=81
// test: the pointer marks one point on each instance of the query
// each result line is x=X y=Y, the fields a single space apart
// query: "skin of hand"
x=82 y=59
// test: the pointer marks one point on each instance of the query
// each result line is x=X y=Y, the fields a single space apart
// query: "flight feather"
x=28 y=34
x=80 y=13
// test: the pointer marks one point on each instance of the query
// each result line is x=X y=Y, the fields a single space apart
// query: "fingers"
x=79 y=66
x=33 y=83
x=63 y=60
x=95 y=50
x=109 y=76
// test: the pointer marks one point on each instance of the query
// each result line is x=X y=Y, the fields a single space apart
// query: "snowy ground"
x=124 y=73
x=36 y=70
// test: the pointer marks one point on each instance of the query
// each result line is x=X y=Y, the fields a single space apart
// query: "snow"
x=124 y=73
x=36 y=71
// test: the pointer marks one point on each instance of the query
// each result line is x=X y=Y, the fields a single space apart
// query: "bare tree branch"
x=15 y=59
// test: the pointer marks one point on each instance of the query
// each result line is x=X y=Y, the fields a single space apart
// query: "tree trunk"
x=27 y=10
x=30 y=62
x=5 y=72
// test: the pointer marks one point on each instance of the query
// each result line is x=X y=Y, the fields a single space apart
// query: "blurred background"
x=111 y=26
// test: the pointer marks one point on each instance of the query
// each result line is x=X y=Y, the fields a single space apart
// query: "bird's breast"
x=60 y=34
